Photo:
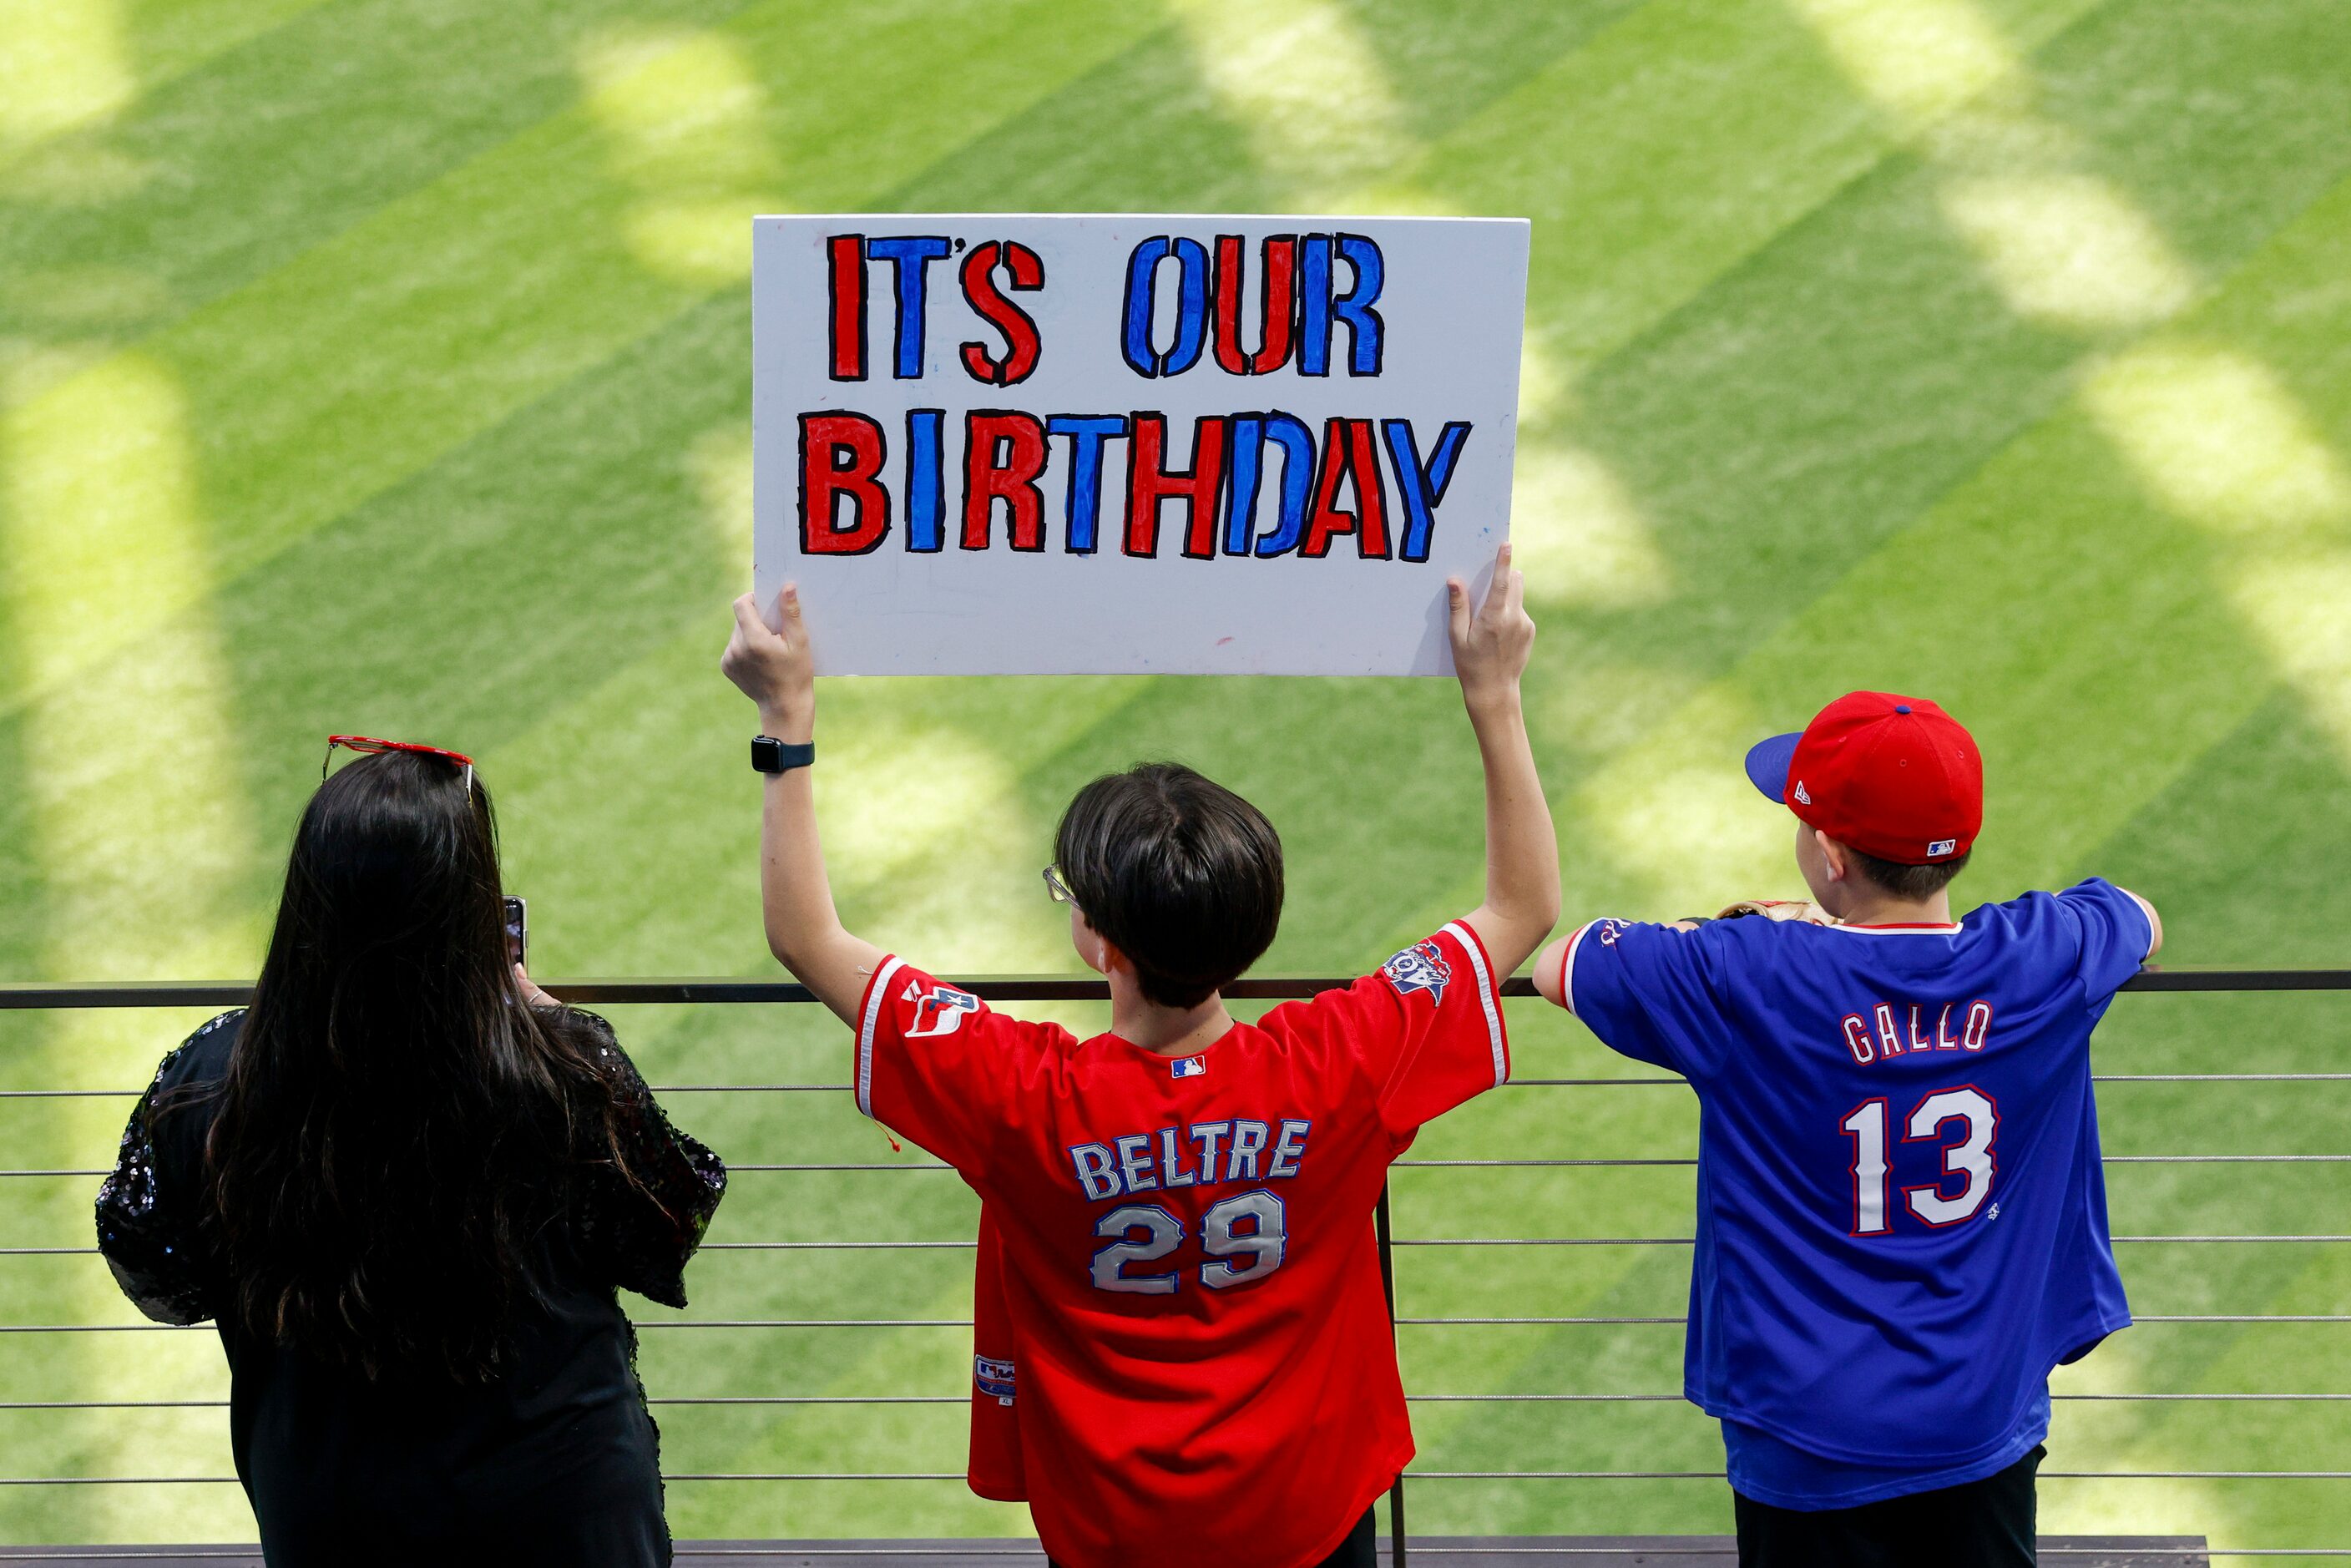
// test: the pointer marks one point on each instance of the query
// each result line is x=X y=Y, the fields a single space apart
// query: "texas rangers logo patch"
x=1419 y=967
x=994 y=1379
x=935 y=1010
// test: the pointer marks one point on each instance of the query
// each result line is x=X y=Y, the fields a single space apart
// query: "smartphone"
x=517 y=929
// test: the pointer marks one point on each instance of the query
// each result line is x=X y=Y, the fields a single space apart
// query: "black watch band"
x=769 y=754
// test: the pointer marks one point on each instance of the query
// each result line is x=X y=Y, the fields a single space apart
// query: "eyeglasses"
x=1058 y=890
x=367 y=745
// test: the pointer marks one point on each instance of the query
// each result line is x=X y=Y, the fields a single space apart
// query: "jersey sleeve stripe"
x=1486 y=999
x=1567 y=964
x=876 y=991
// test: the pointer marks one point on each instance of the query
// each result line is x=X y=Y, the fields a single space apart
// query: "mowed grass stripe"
x=371 y=356
x=87 y=67
x=280 y=144
x=1674 y=147
x=275 y=147
x=1744 y=436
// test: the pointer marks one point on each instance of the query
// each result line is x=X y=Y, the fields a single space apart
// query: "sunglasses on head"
x=367 y=745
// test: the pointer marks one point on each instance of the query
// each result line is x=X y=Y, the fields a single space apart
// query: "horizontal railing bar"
x=1409 y=1475
x=116 y=1481
x=1719 y=1474
x=1689 y=1241
x=1680 y=1397
x=837 y=1245
x=2134 y=1551
x=987 y=1549
x=2221 y=1160
x=1449 y=1165
x=643 y=1324
x=2219 y=1077
x=996 y=987
x=819 y=1476
x=2136 y=1319
x=1522 y=1164
x=963 y=1399
x=735 y=1168
x=1513 y=1084
x=803 y=1323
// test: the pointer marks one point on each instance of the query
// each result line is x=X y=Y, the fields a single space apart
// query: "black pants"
x=1360 y=1550
x=1984 y=1524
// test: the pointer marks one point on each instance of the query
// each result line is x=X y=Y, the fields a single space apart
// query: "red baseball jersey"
x=1181 y=1342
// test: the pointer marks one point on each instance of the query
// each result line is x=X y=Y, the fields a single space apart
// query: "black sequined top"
x=556 y=1462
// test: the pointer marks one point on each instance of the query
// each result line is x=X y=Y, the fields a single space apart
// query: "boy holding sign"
x=1184 y=1349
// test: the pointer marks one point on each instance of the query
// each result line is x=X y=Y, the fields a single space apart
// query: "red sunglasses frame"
x=367 y=745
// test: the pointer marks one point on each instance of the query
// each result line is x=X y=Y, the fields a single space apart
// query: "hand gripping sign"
x=1017 y=445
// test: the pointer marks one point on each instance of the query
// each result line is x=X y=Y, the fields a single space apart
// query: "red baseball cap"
x=1894 y=777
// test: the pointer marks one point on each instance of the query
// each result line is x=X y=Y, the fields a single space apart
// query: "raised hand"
x=773 y=666
x=1491 y=646
x=1811 y=913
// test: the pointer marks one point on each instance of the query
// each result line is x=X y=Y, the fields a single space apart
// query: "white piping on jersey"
x=1567 y=966
x=873 y=1000
x=1469 y=940
x=1953 y=929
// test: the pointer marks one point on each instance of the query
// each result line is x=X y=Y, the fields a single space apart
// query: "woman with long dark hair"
x=407 y=1183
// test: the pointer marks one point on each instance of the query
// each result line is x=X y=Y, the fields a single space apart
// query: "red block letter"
x=841 y=455
x=1003 y=452
x=1150 y=481
x=979 y=292
x=1348 y=450
x=1277 y=294
x=846 y=255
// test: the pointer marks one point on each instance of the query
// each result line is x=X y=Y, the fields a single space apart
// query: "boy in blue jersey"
x=1901 y=1212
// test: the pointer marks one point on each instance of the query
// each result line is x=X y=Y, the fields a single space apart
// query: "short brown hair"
x=1181 y=873
x=1911 y=882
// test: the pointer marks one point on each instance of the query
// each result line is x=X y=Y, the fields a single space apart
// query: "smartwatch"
x=769 y=754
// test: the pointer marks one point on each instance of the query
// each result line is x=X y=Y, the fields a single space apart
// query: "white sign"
x=1020 y=445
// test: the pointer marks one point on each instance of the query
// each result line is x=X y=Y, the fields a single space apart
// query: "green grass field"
x=383 y=365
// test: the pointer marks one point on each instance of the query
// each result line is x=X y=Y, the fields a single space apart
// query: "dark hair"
x=395 y=1124
x=1181 y=873
x=1911 y=882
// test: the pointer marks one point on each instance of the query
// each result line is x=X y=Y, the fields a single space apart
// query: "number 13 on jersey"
x=1967 y=1159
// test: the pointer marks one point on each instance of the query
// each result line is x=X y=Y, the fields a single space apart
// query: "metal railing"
x=1017 y=988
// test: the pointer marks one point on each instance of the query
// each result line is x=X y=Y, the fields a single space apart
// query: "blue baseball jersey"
x=1901 y=1210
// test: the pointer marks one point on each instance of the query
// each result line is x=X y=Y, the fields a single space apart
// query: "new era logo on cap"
x=1881 y=773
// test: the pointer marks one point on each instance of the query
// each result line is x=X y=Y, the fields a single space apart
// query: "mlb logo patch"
x=934 y=1010
x=1419 y=967
x=1941 y=847
x=994 y=1379
x=1189 y=1067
